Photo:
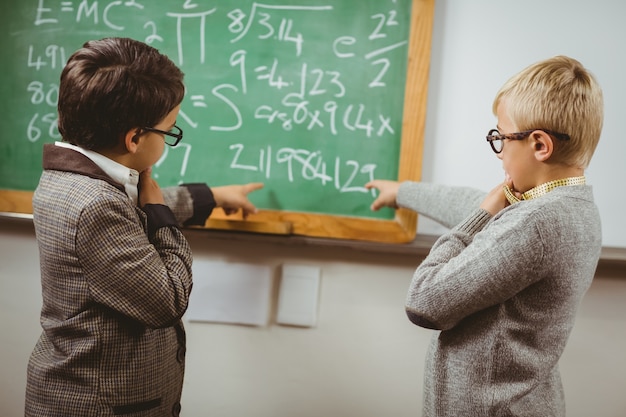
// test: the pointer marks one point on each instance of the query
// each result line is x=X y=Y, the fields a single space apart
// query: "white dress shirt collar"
x=118 y=172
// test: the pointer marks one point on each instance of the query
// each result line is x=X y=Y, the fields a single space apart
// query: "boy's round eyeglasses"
x=176 y=134
x=496 y=139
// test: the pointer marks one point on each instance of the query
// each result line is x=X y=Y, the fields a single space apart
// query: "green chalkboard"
x=307 y=96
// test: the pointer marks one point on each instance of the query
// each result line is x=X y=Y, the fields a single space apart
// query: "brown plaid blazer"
x=115 y=283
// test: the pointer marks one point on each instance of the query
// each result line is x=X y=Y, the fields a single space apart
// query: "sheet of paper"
x=298 y=295
x=223 y=292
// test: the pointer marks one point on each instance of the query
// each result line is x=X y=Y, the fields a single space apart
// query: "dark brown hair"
x=112 y=85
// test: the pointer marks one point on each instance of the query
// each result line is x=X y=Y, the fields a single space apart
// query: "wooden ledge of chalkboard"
x=399 y=230
x=265 y=227
x=16 y=202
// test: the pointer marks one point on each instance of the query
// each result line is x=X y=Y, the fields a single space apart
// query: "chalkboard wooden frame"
x=401 y=229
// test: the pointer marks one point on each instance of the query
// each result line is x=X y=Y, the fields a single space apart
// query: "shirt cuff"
x=159 y=215
x=203 y=203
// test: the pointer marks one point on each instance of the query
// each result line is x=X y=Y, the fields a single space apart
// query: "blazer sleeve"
x=147 y=280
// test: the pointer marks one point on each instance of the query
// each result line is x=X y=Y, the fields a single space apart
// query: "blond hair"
x=557 y=94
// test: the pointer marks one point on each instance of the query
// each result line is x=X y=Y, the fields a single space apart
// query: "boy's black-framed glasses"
x=496 y=139
x=176 y=133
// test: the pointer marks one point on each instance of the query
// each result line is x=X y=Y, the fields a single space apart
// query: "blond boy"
x=502 y=287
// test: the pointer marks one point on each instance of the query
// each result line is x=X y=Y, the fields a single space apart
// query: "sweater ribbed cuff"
x=475 y=222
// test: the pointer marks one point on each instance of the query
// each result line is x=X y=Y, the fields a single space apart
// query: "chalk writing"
x=310 y=165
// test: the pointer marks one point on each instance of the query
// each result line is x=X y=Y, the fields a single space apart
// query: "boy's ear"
x=542 y=144
x=131 y=139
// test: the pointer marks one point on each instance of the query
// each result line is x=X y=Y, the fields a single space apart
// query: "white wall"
x=364 y=358
x=478 y=45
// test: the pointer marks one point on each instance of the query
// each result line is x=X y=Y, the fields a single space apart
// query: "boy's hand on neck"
x=496 y=200
x=149 y=190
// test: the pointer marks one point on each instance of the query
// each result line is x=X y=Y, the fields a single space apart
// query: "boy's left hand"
x=149 y=190
x=231 y=198
x=388 y=192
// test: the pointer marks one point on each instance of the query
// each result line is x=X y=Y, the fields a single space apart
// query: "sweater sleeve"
x=446 y=205
x=480 y=263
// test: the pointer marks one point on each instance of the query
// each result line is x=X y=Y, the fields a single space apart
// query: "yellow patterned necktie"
x=542 y=189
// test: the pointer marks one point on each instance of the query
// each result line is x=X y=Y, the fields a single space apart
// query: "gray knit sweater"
x=502 y=292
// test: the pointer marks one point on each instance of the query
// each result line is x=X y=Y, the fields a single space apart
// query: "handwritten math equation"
x=281 y=75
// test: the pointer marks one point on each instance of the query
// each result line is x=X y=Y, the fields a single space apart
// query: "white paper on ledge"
x=230 y=293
